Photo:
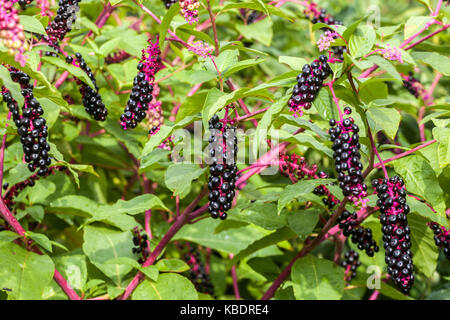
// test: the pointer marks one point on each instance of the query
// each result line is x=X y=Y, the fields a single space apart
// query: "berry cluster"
x=23 y=3
x=117 y=57
x=169 y=3
x=344 y=134
x=328 y=199
x=248 y=16
x=11 y=31
x=155 y=112
x=313 y=13
x=394 y=209
x=62 y=23
x=223 y=169
x=309 y=82
x=197 y=274
x=14 y=191
x=414 y=87
x=189 y=9
x=92 y=100
x=350 y=264
x=441 y=237
x=140 y=245
x=30 y=125
x=348 y=223
x=141 y=93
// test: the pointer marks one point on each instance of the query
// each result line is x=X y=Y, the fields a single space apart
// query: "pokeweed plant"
x=270 y=115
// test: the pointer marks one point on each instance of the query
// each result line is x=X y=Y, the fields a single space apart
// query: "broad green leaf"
x=442 y=135
x=304 y=221
x=75 y=71
x=179 y=177
x=13 y=87
x=241 y=65
x=31 y=24
x=102 y=244
x=23 y=272
x=317 y=279
x=437 y=61
x=172 y=265
x=420 y=179
x=73 y=267
x=260 y=31
x=40 y=239
x=325 y=105
x=362 y=41
x=260 y=213
x=384 y=119
x=385 y=65
x=170 y=286
x=165 y=23
x=293 y=62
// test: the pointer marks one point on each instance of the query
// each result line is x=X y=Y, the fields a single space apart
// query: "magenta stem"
x=428 y=36
x=235 y=280
x=401 y=155
x=336 y=100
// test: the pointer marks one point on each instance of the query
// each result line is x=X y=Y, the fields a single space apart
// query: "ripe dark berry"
x=198 y=273
x=141 y=93
x=350 y=264
x=308 y=85
x=441 y=237
x=223 y=153
x=63 y=21
x=347 y=158
x=393 y=208
x=169 y=3
x=140 y=244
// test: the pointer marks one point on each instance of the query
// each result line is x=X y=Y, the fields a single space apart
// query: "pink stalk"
x=428 y=36
x=401 y=155
x=232 y=87
x=336 y=100
x=377 y=154
x=235 y=280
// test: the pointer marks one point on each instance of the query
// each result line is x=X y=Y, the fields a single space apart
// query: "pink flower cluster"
x=326 y=39
x=391 y=53
x=189 y=10
x=11 y=31
x=200 y=48
x=150 y=60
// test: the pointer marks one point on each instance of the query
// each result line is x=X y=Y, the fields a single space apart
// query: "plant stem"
x=213 y=22
x=235 y=280
x=401 y=155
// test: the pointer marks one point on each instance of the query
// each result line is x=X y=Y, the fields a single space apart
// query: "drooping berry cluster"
x=416 y=88
x=197 y=274
x=397 y=242
x=441 y=237
x=248 y=16
x=155 y=112
x=309 y=82
x=313 y=13
x=349 y=225
x=189 y=9
x=141 y=93
x=11 y=31
x=169 y=3
x=223 y=169
x=63 y=21
x=30 y=125
x=328 y=198
x=92 y=100
x=140 y=245
x=117 y=57
x=350 y=264
x=14 y=191
x=345 y=137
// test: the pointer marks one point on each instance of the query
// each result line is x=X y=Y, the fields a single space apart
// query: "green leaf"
x=421 y=180
x=13 y=87
x=170 y=286
x=442 y=135
x=241 y=65
x=8 y=236
x=414 y=24
x=165 y=23
x=26 y=274
x=40 y=239
x=73 y=267
x=102 y=244
x=317 y=279
x=299 y=190
x=269 y=240
x=384 y=119
x=75 y=71
x=304 y=221
x=385 y=65
x=425 y=252
x=362 y=41
x=435 y=60
x=325 y=105
x=31 y=24
x=260 y=213
x=138 y=204
x=293 y=62
x=109 y=46
x=179 y=177
x=172 y=265
x=260 y=31
x=151 y=272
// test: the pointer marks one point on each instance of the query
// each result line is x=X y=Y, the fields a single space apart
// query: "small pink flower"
x=189 y=10
x=326 y=39
x=11 y=31
x=200 y=48
x=391 y=53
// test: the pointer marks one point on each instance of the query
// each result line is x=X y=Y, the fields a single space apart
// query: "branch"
x=401 y=155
